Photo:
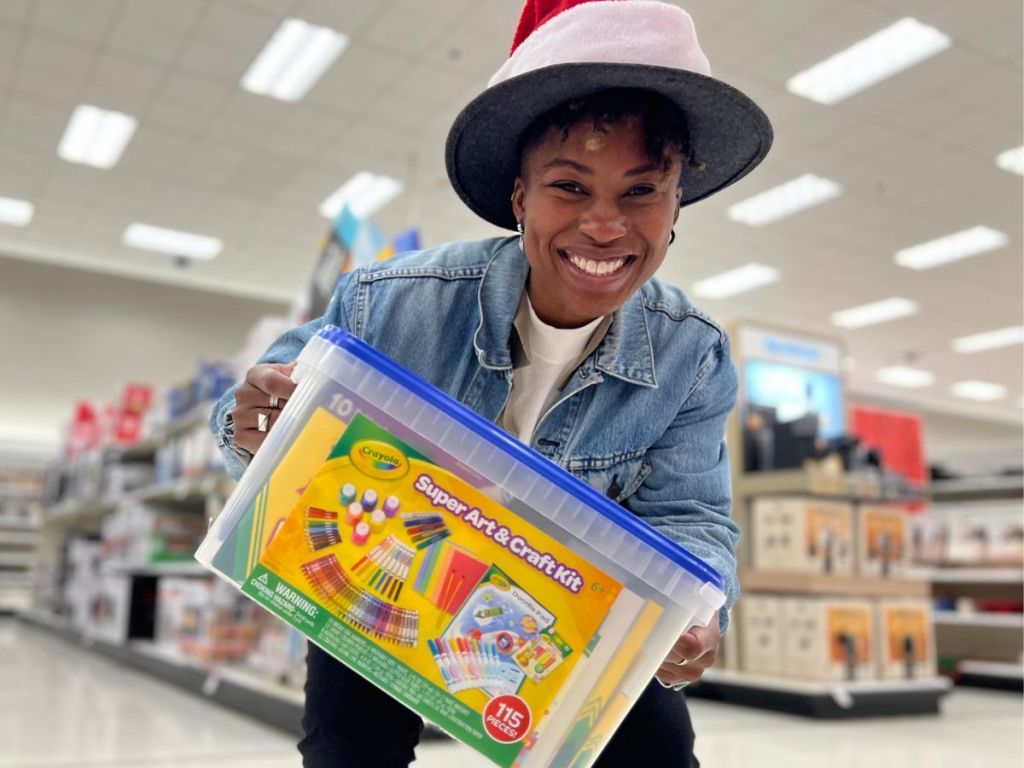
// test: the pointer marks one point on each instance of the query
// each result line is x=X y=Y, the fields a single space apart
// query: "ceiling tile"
x=86 y=22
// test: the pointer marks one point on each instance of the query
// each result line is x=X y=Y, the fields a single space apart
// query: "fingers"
x=672 y=673
x=271 y=379
x=252 y=438
x=263 y=385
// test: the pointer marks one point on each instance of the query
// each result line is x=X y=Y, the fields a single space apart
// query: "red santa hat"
x=567 y=49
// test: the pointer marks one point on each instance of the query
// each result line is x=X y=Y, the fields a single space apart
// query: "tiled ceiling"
x=915 y=154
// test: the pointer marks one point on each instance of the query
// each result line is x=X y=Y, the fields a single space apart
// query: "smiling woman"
x=587 y=143
x=597 y=197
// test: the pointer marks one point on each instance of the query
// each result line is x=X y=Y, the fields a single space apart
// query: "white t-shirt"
x=548 y=356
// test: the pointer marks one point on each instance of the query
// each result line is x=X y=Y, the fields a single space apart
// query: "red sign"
x=507 y=718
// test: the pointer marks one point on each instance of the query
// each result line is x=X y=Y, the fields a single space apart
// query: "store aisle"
x=63 y=707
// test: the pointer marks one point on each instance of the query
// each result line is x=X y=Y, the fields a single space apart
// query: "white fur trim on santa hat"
x=611 y=31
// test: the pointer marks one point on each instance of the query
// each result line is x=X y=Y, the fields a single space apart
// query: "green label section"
x=375 y=664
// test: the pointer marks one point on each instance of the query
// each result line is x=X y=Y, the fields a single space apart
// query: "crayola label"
x=450 y=602
x=379 y=460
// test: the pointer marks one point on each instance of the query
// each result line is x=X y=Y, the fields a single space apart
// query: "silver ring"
x=273 y=401
x=262 y=422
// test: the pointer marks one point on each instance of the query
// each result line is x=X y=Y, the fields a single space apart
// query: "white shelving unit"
x=20 y=504
x=981 y=620
x=978 y=647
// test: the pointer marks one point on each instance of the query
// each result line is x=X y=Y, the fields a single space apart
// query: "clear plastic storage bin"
x=469 y=577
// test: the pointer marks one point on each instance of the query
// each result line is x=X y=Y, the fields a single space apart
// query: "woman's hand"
x=694 y=652
x=258 y=403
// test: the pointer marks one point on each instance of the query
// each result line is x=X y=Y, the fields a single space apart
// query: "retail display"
x=519 y=610
x=21 y=502
x=906 y=639
x=882 y=540
x=828 y=638
x=803 y=534
x=970 y=545
x=140 y=534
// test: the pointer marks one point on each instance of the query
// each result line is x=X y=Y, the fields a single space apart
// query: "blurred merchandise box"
x=929 y=537
x=281 y=651
x=1006 y=539
x=828 y=638
x=906 y=639
x=138 y=534
x=803 y=535
x=761 y=634
x=193 y=453
x=122 y=479
x=205 y=619
x=105 y=608
x=882 y=540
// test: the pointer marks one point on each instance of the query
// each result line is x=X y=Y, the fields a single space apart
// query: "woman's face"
x=597 y=214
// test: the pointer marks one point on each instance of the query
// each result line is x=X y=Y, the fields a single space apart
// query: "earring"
x=672 y=237
x=519 y=227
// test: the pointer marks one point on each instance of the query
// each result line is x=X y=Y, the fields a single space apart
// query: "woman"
x=588 y=146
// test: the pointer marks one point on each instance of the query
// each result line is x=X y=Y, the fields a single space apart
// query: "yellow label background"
x=577 y=615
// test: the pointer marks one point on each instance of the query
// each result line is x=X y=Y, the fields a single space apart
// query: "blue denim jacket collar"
x=625 y=352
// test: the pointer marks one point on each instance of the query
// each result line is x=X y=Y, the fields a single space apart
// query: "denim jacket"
x=642 y=419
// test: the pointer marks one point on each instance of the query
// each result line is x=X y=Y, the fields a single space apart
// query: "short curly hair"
x=667 y=135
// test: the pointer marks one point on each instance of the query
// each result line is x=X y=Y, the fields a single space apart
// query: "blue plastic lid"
x=523 y=454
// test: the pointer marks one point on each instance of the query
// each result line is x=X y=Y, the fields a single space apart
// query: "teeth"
x=592 y=267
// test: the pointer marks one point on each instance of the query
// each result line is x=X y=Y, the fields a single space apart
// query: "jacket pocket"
x=617 y=476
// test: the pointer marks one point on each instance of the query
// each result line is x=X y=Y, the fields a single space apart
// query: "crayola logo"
x=380 y=460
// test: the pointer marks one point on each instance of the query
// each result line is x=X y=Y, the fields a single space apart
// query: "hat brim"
x=729 y=133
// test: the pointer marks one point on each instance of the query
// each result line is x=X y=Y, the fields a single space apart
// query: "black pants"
x=350 y=723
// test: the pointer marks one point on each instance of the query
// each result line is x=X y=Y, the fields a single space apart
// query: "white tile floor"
x=63 y=707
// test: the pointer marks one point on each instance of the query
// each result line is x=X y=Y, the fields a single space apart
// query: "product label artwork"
x=432 y=590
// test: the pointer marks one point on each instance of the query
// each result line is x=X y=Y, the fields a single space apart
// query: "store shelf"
x=1004 y=676
x=17 y=524
x=994 y=620
x=992 y=668
x=977 y=488
x=24 y=538
x=181 y=491
x=8 y=491
x=70 y=512
x=185 y=568
x=186 y=491
x=970 y=575
x=16 y=559
x=799 y=482
x=239 y=688
x=147 y=448
x=816 y=584
x=827 y=700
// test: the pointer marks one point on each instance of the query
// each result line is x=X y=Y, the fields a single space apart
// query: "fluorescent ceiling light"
x=171 y=241
x=876 y=312
x=863 y=64
x=960 y=245
x=984 y=391
x=96 y=137
x=735 y=281
x=784 y=200
x=365 y=194
x=295 y=58
x=1012 y=160
x=902 y=376
x=15 y=212
x=979 y=342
